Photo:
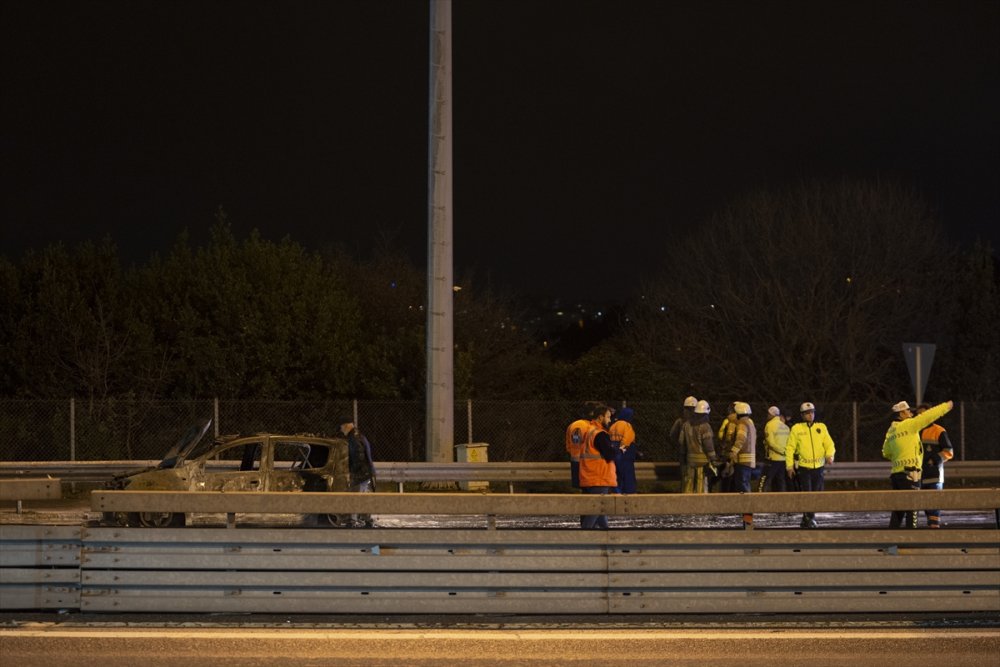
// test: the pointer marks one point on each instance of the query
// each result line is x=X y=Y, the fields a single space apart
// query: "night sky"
x=582 y=128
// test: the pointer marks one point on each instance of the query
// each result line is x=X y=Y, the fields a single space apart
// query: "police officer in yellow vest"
x=775 y=441
x=902 y=446
x=810 y=441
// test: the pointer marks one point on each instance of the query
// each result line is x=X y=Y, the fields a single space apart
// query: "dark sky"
x=582 y=128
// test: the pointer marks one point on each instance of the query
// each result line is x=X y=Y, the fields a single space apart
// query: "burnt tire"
x=156 y=519
x=335 y=520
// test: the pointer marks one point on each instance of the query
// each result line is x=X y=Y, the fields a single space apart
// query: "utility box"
x=474 y=452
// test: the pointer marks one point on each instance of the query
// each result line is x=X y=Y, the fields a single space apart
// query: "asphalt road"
x=51 y=645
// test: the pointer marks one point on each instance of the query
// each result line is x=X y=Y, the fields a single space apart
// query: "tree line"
x=784 y=294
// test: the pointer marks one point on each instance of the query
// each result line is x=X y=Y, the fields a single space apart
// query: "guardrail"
x=565 y=571
x=506 y=471
x=20 y=490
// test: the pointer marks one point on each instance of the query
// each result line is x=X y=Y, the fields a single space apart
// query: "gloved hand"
x=726 y=469
x=791 y=473
x=711 y=470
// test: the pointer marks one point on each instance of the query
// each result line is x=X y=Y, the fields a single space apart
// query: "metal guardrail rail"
x=506 y=471
x=433 y=571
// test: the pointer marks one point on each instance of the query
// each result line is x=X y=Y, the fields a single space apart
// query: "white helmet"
x=774 y=411
x=690 y=402
x=807 y=407
x=741 y=408
x=702 y=408
x=899 y=407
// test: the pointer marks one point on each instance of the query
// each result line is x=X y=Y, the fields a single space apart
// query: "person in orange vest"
x=623 y=436
x=575 y=433
x=937 y=450
x=597 y=466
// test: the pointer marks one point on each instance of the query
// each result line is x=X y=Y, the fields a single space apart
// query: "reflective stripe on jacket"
x=937 y=450
x=575 y=434
x=775 y=439
x=698 y=441
x=595 y=469
x=812 y=443
x=902 y=443
x=744 y=449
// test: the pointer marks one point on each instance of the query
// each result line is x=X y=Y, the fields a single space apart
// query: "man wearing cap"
x=902 y=446
x=775 y=440
x=677 y=434
x=700 y=446
x=810 y=441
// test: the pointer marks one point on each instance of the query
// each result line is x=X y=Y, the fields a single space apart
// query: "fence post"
x=215 y=415
x=355 y=415
x=72 y=429
x=961 y=431
x=854 y=420
x=468 y=410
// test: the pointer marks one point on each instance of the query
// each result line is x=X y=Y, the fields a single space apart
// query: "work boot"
x=811 y=523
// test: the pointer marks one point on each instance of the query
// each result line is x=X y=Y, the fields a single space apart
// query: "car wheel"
x=157 y=520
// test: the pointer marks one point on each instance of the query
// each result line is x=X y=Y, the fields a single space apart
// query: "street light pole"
x=440 y=388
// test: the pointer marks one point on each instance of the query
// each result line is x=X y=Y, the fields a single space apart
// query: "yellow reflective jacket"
x=902 y=443
x=812 y=443
x=775 y=439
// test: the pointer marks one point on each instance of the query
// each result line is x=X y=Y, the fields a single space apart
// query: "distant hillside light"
x=456 y=288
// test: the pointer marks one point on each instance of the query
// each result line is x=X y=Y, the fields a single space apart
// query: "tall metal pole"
x=440 y=346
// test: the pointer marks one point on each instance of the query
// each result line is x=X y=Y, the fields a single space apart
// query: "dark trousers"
x=775 y=478
x=810 y=479
x=595 y=521
x=903 y=518
x=933 y=516
x=741 y=478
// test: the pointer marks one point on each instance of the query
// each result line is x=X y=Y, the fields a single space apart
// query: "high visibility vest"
x=575 y=435
x=811 y=442
x=622 y=434
x=594 y=470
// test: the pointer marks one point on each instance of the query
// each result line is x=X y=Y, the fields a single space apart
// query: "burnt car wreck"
x=259 y=462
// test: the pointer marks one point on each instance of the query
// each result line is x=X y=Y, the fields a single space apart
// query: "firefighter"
x=808 y=450
x=677 y=435
x=597 y=466
x=727 y=437
x=937 y=450
x=742 y=456
x=700 y=447
x=902 y=446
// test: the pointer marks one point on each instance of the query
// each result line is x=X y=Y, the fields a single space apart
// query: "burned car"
x=260 y=462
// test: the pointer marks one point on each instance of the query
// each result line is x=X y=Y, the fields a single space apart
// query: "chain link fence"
x=126 y=429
